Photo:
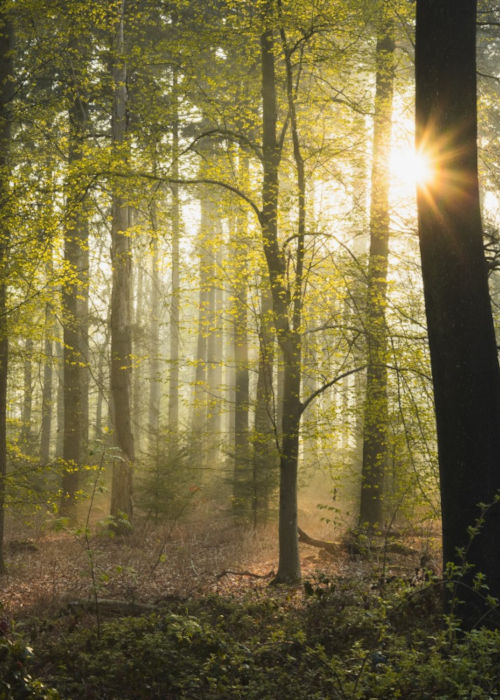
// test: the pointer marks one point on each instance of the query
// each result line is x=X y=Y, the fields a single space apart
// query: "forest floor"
x=186 y=611
x=161 y=561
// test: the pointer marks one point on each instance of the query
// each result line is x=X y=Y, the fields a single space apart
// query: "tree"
x=75 y=288
x=121 y=338
x=5 y=129
x=376 y=419
x=465 y=370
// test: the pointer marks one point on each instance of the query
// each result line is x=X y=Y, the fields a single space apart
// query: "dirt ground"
x=157 y=562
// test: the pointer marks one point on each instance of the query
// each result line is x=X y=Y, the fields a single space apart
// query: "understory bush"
x=347 y=639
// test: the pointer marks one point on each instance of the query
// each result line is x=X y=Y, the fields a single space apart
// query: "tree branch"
x=326 y=386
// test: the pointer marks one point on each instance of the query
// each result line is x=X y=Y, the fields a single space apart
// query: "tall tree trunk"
x=154 y=349
x=288 y=335
x=75 y=305
x=215 y=337
x=376 y=418
x=465 y=369
x=241 y=397
x=198 y=421
x=173 y=380
x=47 y=388
x=121 y=332
x=264 y=460
x=137 y=285
x=25 y=434
x=6 y=43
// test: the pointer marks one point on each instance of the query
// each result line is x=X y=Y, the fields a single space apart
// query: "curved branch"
x=241 y=139
x=326 y=386
x=192 y=181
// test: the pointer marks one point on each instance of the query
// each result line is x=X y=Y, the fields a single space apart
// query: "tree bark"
x=288 y=335
x=173 y=379
x=241 y=463
x=265 y=455
x=47 y=388
x=121 y=331
x=75 y=299
x=25 y=437
x=376 y=417
x=154 y=349
x=198 y=420
x=6 y=43
x=465 y=369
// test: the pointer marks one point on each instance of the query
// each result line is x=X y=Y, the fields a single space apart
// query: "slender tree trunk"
x=60 y=397
x=264 y=462
x=121 y=332
x=47 y=388
x=173 y=380
x=5 y=134
x=376 y=418
x=288 y=336
x=215 y=337
x=75 y=310
x=465 y=369
x=199 y=408
x=154 y=350
x=241 y=396
x=139 y=324
x=25 y=435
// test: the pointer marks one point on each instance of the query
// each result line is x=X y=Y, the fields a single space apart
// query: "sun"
x=412 y=167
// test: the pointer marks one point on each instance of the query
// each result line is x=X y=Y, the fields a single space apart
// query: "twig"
x=227 y=572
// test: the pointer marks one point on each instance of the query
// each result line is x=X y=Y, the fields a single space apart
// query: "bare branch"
x=326 y=386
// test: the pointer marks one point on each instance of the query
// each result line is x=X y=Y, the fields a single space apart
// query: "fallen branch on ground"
x=330 y=547
x=227 y=572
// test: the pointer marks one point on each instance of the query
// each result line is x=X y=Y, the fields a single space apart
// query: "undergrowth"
x=346 y=639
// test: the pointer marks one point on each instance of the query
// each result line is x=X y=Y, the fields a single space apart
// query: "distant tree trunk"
x=5 y=134
x=121 y=332
x=376 y=418
x=138 y=328
x=154 y=349
x=60 y=397
x=199 y=413
x=462 y=341
x=173 y=380
x=241 y=463
x=75 y=310
x=215 y=337
x=25 y=434
x=46 y=425
x=47 y=387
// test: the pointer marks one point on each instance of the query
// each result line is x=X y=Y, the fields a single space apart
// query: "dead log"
x=354 y=546
x=330 y=547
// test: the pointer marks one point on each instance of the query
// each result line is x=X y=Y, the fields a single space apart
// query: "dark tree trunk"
x=121 y=330
x=75 y=306
x=375 y=438
x=462 y=342
x=288 y=334
x=265 y=454
x=5 y=121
